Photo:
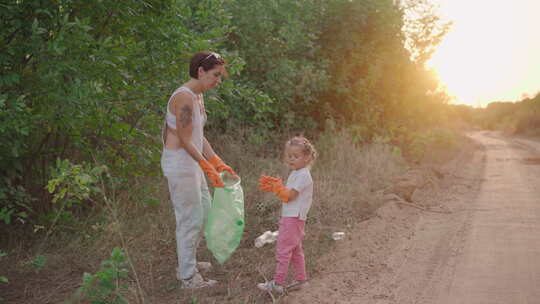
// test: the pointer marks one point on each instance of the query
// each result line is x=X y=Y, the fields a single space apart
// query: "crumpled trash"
x=266 y=238
x=336 y=236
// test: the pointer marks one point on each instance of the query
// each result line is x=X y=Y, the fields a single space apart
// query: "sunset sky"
x=492 y=52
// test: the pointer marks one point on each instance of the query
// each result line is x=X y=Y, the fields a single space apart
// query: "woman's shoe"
x=202 y=267
x=196 y=282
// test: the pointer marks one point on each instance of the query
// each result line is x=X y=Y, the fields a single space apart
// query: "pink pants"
x=289 y=250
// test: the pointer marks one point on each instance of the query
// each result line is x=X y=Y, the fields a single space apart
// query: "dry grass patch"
x=347 y=179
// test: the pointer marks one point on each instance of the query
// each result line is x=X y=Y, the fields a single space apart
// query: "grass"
x=347 y=179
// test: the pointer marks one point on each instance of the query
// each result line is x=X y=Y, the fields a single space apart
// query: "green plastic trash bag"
x=225 y=224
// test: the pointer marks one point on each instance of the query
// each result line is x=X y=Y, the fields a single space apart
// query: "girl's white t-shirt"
x=301 y=181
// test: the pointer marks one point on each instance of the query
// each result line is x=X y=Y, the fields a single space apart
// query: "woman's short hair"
x=205 y=59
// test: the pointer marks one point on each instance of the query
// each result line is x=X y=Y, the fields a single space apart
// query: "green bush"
x=107 y=286
x=71 y=185
x=15 y=203
x=3 y=279
x=38 y=263
x=88 y=81
x=425 y=144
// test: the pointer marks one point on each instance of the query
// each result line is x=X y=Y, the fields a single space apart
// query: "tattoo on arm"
x=186 y=114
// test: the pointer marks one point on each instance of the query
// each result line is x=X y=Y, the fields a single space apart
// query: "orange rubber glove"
x=212 y=174
x=266 y=182
x=220 y=165
x=273 y=184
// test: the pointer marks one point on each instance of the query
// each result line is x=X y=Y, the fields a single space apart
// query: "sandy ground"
x=476 y=241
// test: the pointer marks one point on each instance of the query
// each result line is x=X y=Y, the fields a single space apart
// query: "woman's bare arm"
x=183 y=110
x=208 y=152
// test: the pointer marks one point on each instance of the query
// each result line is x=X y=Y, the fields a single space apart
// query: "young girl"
x=296 y=196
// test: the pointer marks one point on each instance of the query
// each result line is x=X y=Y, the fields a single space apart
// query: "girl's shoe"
x=297 y=285
x=196 y=282
x=271 y=286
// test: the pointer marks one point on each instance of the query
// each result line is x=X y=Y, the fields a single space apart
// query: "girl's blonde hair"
x=306 y=146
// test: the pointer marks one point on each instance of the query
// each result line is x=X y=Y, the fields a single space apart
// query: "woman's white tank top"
x=198 y=118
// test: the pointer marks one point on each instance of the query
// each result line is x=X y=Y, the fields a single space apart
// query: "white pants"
x=191 y=201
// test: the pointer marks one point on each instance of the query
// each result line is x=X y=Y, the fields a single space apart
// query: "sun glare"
x=492 y=52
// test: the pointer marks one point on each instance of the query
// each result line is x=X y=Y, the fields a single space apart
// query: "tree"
x=88 y=81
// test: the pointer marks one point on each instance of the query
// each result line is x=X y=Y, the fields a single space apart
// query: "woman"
x=187 y=156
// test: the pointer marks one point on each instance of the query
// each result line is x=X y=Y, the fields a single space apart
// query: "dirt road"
x=477 y=241
x=501 y=255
